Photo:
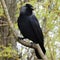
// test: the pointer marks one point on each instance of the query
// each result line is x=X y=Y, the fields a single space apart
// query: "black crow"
x=30 y=28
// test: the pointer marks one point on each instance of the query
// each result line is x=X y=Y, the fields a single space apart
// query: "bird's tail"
x=37 y=54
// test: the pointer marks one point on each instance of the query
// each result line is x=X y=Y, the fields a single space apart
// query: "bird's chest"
x=24 y=26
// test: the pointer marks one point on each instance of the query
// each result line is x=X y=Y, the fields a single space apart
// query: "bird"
x=30 y=28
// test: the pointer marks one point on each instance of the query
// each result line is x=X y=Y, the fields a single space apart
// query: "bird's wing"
x=36 y=28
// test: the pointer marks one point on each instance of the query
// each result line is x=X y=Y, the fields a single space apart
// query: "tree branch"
x=35 y=46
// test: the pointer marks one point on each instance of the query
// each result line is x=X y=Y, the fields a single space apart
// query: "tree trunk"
x=11 y=5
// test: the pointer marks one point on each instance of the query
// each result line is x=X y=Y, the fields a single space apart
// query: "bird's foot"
x=21 y=38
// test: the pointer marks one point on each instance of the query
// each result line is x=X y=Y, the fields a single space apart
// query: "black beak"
x=32 y=8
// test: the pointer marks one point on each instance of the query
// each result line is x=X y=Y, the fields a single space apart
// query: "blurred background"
x=48 y=15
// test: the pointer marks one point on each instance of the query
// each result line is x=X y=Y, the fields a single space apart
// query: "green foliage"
x=1 y=10
x=15 y=25
x=7 y=51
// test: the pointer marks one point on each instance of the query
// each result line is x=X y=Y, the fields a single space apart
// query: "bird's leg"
x=21 y=38
x=32 y=43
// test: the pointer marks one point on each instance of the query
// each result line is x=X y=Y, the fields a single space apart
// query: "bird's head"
x=27 y=9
